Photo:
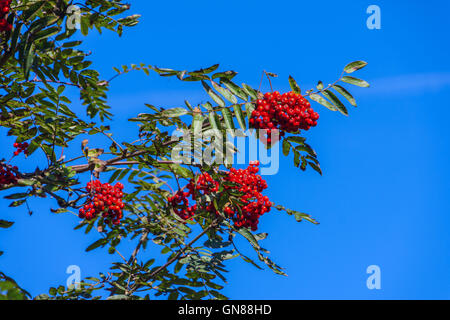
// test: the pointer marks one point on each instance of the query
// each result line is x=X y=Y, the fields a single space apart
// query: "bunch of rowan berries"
x=250 y=184
x=23 y=146
x=8 y=175
x=180 y=202
x=205 y=184
x=288 y=112
x=245 y=181
x=4 y=9
x=103 y=199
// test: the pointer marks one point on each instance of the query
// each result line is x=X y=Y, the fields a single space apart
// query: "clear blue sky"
x=383 y=199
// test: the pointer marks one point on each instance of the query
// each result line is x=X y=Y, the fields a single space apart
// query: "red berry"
x=102 y=195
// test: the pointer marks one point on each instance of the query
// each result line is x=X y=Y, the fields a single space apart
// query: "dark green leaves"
x=330 y=99
x=17 y=203
x=294 y=86
x=38 y=111
x=286 y=147
x=16 y=196
x=29 y=57
x=336 y=102
x=299 y=216
x=345 y=93
x=249 y=236
x=5 y=224
x=96 y=244
x=304 y=155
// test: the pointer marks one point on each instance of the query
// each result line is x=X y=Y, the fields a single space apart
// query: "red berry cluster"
x=245 y=181
x=288 y=112
x=205 y=185
x=21 y=147
x=8 y=175
x=255 y=204
x=4 y=9
x=180 y=203
x=103 y=199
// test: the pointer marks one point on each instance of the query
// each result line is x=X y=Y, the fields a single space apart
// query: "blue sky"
x=382 y=199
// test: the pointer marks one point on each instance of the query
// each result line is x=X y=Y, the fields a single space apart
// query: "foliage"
x=40 y=60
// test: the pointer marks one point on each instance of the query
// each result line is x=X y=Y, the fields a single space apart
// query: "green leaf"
x=225 y=75
x=16 y=196
x=296 y=158
x=17 y=203
x=197 y=123
x=182 y=171
x=84 y=25
x=315 y=167
x=250 y=91
x=296 y=139
x=294 y=86
x=299 y=216
x=46 y=33
x=96 y=244
x=34 y=9
x=229 y=124
x=355 y=65
x=345 y=93
x=337 y=103
x=322 y=101
x=114 y=175
x=234 y=88
x=249 y=236
x=5 y=224
x=148 y=263
x=174 y=112
x=355 y=81
x=239 y=116
x=70 y=44
x=217 y=99
x=286 y=147
x=261 y=236
x=206 y=70
x=52 y=291
x=218 y=295
x=319 y=85
x=224 y=92
x=249 y=107
x=15 y=37
x=215 y=243
x=173 y=295
x=29 y=58
x=213 y=118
